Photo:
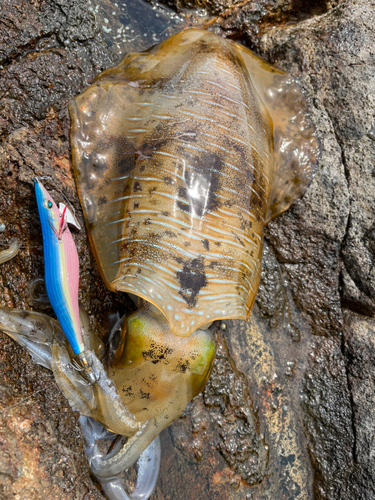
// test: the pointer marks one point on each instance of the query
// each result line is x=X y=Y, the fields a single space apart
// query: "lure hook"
x=77 y=366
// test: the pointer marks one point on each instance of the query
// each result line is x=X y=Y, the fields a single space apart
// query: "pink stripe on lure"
x=61 y=266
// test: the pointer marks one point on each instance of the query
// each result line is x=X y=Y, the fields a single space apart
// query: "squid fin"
x=296 y=148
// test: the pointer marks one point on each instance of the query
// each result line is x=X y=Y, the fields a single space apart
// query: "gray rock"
x=324 y=242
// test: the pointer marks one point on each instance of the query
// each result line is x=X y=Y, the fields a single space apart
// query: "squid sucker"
x=181 y=154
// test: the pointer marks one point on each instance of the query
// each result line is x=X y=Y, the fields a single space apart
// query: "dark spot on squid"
x=137 y=187
x=144 y=381
x=230 y=203
x=102 y=200
x=128 y=391
x=144 y=395
x=157 y=353
x=237 y=238
x=154 y=236
x=124 y=164
x=183 y=366
x=170 y=233
x=168 y=180
x=206 y=244
x=192 y=279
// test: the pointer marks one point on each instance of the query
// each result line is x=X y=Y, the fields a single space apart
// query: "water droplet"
x=371 y=132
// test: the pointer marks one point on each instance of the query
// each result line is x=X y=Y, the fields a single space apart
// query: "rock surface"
x=288 y=412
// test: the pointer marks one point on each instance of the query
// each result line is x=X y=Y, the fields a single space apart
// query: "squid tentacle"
x=119 y=460
x=107 y=385
x=113 y=486
x=33 y=331
x=10 y=252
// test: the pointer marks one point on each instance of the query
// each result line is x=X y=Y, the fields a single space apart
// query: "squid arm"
x=46 y=342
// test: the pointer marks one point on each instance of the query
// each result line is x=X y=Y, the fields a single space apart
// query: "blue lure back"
x=61 y=266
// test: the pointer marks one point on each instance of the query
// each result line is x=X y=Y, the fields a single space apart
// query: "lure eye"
x=48 y=204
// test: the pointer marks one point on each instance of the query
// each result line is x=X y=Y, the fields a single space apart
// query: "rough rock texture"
x=288 y=412
x=324 y=243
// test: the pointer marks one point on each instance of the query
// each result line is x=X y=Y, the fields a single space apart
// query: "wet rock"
x=324 y=243
x=252 y=19
x=136 y=25
x=342 y=36
x=352 y=298
x=360 y=359
x=271 y=298
x=219 y=432
x=56 y=56
x=229 y=406
x=328 y=420
x=255 y=19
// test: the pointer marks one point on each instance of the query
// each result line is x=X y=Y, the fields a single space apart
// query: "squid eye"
x=48 y=204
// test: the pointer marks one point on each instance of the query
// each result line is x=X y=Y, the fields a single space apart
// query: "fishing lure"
x=61 y=266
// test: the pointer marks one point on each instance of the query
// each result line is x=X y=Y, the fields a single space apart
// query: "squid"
x=182 y=154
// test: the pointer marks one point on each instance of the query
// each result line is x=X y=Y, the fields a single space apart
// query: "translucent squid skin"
x=10 y=252
x=157 y=370
x=181 y=155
